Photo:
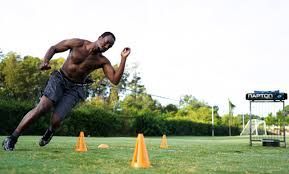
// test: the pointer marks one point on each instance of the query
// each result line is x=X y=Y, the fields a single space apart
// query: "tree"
x=270 y=120
x=135 y=85
x=9 y=73
x=105 y=90
x=140 y=103
x=117 y=90
x=1 y=54
x=138 y=100
x=21 y=78
x=194 y=109
x=170 y=108
x=190 y=101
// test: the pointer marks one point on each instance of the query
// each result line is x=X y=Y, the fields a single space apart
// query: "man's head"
x=105 y=41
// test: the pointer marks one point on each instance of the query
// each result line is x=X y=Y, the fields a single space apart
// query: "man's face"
x=104 y=43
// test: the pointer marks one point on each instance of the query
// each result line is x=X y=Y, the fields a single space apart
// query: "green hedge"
x=93 y=121
x=11 y=113
x=154 y=125
x=99 y=122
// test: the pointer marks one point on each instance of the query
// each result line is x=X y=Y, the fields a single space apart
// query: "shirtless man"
x=65 y=87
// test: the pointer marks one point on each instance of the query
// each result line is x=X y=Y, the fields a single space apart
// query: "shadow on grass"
x=24 y=150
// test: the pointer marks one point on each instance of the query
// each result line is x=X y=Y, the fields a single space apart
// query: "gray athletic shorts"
x=63 y=92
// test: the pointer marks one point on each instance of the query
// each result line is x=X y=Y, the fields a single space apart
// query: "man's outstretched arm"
x=59 y=47
x=115 y=75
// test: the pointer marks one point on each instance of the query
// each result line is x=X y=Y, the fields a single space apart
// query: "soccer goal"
x=258 y=127
x=267 y=119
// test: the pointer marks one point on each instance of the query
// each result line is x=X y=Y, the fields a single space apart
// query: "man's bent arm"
x=114 y=76
x=61 y=47
x=110 y=73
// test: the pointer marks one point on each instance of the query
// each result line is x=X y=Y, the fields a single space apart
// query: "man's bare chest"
x=80 y=56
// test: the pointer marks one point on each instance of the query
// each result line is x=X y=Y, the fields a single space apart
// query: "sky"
x=214 y=50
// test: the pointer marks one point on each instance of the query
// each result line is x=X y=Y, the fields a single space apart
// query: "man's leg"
x=62 y=108
x=55 y=123
x=71 y=96
x=43 y=106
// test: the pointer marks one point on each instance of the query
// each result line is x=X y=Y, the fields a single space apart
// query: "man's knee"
x=43 y=106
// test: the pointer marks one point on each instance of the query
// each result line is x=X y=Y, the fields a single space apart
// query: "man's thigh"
x=67 y=102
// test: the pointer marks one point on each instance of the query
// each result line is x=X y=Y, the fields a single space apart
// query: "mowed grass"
x=184 y=155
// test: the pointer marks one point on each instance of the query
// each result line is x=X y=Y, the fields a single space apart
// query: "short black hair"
x=107 y=33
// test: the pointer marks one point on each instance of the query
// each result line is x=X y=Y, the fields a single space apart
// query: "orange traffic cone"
x=164 y=143
x=81 y=145
x=140 y=155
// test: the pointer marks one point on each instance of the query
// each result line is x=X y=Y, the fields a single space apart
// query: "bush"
x=152 y=124
x=99 y=122
x=93 y=121
x=11 y=113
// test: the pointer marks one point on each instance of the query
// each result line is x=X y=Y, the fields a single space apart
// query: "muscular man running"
x=65 y=87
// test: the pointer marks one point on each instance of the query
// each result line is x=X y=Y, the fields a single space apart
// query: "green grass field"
x=185 y=155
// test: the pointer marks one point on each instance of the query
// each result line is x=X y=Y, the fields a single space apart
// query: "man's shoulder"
x=103 y=60
x=76 y=42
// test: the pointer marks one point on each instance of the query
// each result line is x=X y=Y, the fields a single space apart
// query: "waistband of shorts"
x=67 y=78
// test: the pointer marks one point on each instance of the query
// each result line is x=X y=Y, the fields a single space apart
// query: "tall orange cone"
x=164 y=143
x=140 y=155
x=81 y=145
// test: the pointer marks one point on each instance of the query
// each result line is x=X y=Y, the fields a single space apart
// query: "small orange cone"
x=140 y=155
x=164 y=143
x=81 y=145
